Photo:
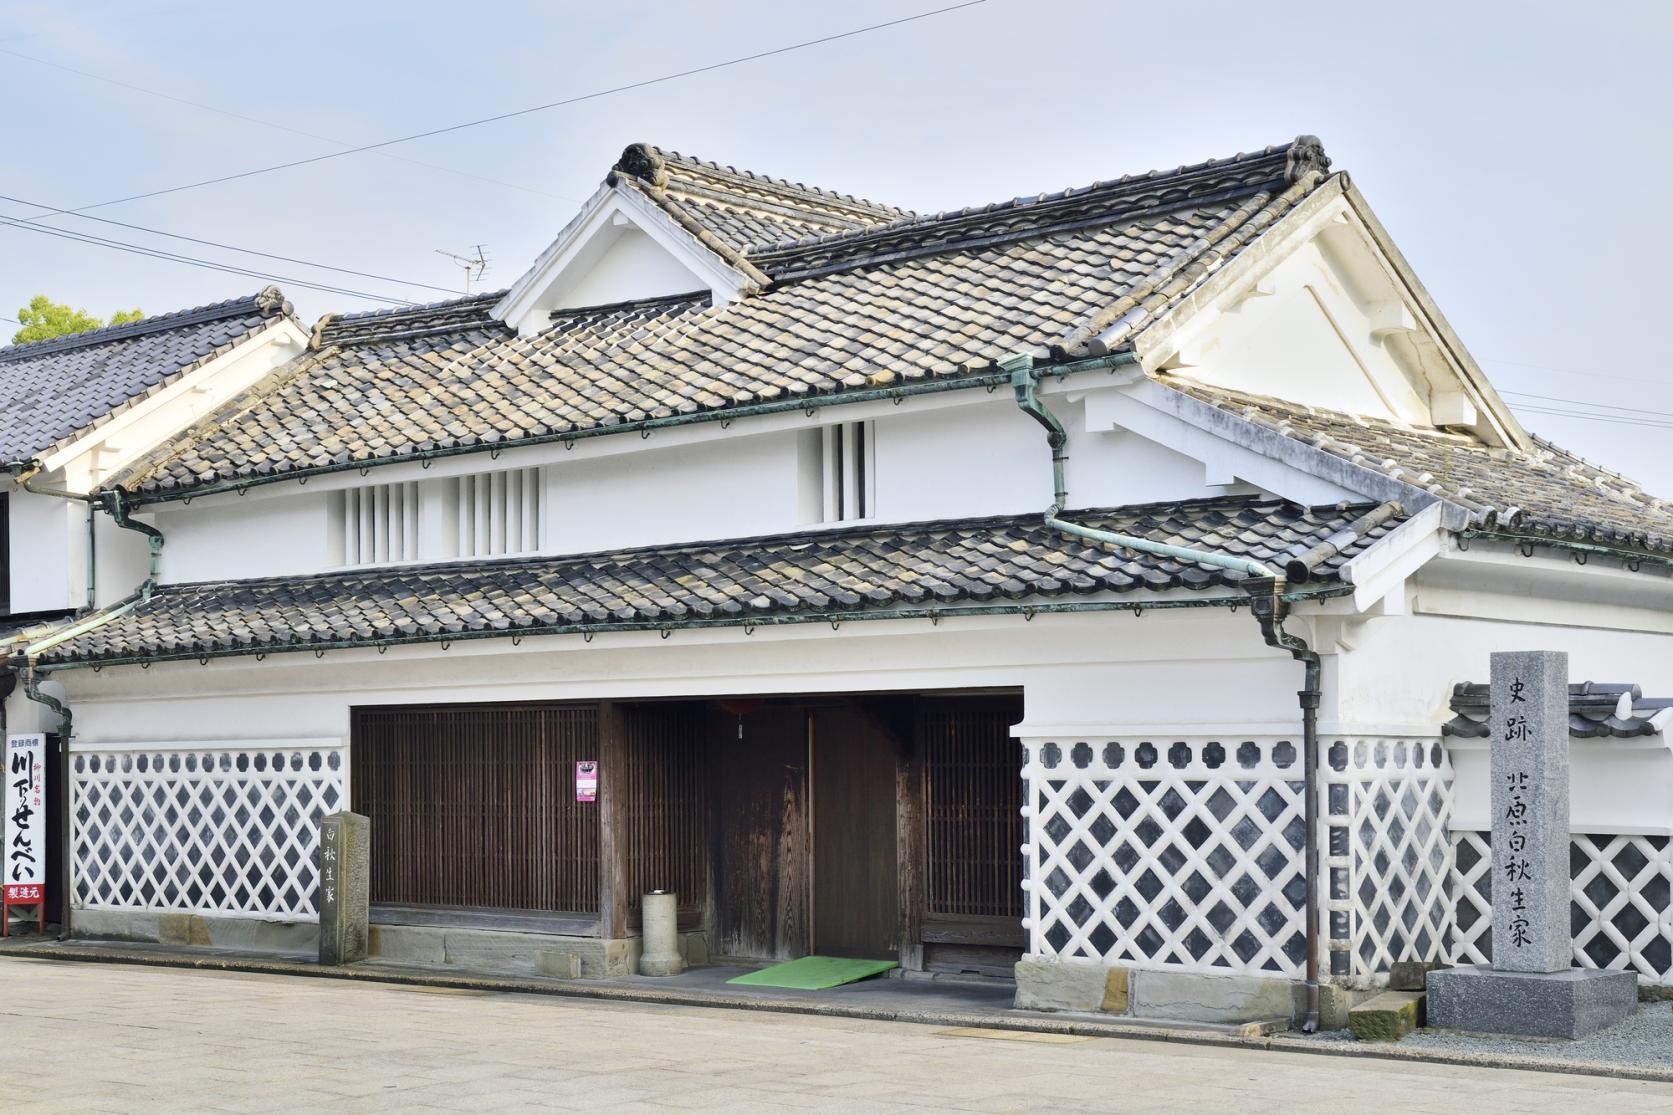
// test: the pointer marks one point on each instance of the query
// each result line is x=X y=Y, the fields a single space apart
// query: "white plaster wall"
x=286 y=535
x=1105 y=671
x=1401 y=670
x=122 y=559
x=1312 y=333
x=727 y=489
x=48 y=538
x=631 y=266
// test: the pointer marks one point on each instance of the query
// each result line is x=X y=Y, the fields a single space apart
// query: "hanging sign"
x=586 y=780
x=24 y=859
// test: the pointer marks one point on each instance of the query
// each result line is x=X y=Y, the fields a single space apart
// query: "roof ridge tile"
x=269 y=302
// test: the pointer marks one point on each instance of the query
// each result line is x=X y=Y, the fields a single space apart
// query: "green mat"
x=814 y=973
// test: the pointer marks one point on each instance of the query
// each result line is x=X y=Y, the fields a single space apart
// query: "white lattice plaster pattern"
x=203 y=829
x=1390 y=854
x=1621 y=910
x=1181 y=854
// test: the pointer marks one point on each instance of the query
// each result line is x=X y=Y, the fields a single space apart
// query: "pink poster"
x=586 y=780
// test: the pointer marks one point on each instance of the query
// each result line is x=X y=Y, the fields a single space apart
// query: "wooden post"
x=909 y=827
x=612 y=827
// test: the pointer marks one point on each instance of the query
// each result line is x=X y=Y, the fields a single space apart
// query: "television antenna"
x=474 y=265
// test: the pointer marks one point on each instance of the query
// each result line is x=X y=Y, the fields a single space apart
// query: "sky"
x=1518 y=153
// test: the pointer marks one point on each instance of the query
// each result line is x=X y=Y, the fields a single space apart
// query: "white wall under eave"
x=280 y=536
x=1309 y=333
x=1111 y=672
x=48 y=537
x=122 y=559
x=629 y=266
x=731 y=488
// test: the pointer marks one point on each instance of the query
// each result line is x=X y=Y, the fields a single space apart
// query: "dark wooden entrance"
x=863 y=825
x=856 y=880
x=760 y=856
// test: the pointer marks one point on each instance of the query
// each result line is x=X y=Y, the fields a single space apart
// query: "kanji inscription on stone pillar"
x=1529 y=768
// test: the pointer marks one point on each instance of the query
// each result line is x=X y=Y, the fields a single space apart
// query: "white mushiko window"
x=376 y=523
x=203 y=828
x=499 y=513
x=849 y=472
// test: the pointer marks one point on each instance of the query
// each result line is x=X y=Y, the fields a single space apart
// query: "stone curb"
x=1139 y=1031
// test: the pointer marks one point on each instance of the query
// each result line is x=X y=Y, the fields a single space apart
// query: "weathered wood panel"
x=856 y=895
x=758 y=773
x=474 y=805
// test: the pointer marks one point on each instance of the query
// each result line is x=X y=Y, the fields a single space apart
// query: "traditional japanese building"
x=931 y=587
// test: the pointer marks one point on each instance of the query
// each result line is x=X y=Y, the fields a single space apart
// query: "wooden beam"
x=909 y=830
x=612 y=828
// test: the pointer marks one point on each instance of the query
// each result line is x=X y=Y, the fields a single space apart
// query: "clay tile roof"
x=1547 y=493
x=888 y=299
x=53 y=390
x=823 y=574
x=1595 y=710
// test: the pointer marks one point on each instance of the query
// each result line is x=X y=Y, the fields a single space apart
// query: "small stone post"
x=345 y=845
x=1529 y=768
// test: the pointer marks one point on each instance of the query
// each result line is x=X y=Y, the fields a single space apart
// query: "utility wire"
x=645 y=83
x=227 y=247
x=1629 y=411
x=173 y=257
x=276 y=126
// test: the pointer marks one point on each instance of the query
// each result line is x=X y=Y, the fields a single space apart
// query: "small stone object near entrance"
x=345 y=847
x=1531 y=989
x=1387 y=1017
x=661 y=935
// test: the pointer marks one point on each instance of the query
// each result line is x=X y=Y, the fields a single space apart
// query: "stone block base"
x=1387 y=1017
x=1086 y=986
x=205 y=931
x=1567 y=1004
x=499 y=952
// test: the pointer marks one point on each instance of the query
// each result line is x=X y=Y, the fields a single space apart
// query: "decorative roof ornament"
x=1306 y=156
x=641 y=161
x=271 y=300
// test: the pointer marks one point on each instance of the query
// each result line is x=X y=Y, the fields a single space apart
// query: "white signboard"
x=25 y=827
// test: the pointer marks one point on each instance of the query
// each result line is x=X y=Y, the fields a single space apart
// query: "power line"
x=1630 y=411
x=1588 y=375
x=218 y=244
x=276 y=126
x=192 y=261
x=645 y=83
x=1607 y=418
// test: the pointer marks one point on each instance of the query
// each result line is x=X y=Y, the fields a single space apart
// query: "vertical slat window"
x=377 y=523
x=664 y=804
x=499 y=513
x=849 y=472
x=972 y=807
x=474 y=807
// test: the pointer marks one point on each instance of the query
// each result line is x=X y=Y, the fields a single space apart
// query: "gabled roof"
x=1548 y=493
x=913 y=300
x=744 y=210
x=1014 y=561
x=53 y=390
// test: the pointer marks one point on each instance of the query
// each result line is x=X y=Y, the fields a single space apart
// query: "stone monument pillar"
x=345 y=845
x=1532 y=988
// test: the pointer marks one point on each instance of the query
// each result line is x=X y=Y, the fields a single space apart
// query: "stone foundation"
x=1092 y=986
x=203 y=930
x=490 y=952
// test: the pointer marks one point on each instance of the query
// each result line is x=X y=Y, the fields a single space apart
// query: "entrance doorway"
x=856 y=877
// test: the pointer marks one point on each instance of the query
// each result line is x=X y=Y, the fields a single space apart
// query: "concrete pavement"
x=97 y=1037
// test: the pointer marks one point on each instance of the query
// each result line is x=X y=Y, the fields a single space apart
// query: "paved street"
x=86 y=1037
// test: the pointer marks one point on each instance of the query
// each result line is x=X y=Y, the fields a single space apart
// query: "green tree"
x=44 y=319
